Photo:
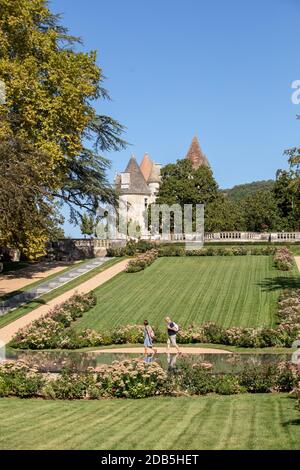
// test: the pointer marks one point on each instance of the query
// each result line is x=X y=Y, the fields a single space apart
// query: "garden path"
x=23 y=297
x=297 y=259
x=8 y=331
x=23 y=277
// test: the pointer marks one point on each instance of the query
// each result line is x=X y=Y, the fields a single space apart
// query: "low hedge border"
x=283 y=258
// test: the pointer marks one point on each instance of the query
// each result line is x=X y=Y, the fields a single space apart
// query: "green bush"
x=116 y=252
x=71 y=386
x=227 y=385
x=141 y=261
x=195 y=379
x=171 y=251
x=258 y=379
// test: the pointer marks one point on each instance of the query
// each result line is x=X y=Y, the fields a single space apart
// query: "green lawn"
x=241 y=291
x=213 y=422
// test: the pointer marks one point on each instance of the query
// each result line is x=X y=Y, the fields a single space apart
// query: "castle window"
x=146 y=203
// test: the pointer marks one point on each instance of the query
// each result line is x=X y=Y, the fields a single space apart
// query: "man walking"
x=172 y=329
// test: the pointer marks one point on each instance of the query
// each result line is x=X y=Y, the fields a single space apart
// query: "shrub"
x=141 y=261
x=116 y=252
x=71 y=386
x=132 y=379
x=171 y=251
x=226 y=384
x=51 y=330
x=283 y=259
x=195 y=379
x=18 y=379
x=137 y=379
x=258 y=379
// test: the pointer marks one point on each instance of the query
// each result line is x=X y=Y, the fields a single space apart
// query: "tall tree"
x=181 y=184
x=286 y=199
x=224 y=214
x=87 y=226
x=261 y=212
x=50 y=90
x=27 y=210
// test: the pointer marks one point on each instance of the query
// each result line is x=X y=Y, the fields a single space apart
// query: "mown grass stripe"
x=231 y=291
x=261 y=421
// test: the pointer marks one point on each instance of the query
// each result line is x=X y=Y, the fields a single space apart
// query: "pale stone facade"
x=138 y=187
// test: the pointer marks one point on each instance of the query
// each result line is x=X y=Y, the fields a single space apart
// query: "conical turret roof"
x=195 y=155
x=146 y=166
x=137 y=183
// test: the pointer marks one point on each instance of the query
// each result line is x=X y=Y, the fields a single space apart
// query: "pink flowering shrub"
x=283 y=259
x=137 y=379
x=19 y=379
x=141 y=261
x=131 y=379
x=52 y=330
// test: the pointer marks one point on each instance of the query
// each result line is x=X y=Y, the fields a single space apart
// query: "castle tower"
x=134 y=198
x=154 y=180
x=195 y=155
x=146 y=166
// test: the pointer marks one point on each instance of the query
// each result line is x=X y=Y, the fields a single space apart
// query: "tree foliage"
x=181 y=184
x=261 y=212
x=27 y=210
x=87 y=226
x=51 y=88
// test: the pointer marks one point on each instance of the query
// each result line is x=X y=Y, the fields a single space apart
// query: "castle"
x=138 y=185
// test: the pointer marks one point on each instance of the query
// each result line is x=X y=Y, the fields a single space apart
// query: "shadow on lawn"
x=291 y=422
x=279 y=283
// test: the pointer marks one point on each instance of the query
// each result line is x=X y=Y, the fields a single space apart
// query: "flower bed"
x=140 y=262
x=283 y=259
x=137 y=379
x=54 y=331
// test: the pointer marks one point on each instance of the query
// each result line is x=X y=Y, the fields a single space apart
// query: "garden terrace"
x=231 y=291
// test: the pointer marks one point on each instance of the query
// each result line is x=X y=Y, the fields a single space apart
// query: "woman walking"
x=148 y=338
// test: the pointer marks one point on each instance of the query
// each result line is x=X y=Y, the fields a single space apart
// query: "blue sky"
x=175 y=68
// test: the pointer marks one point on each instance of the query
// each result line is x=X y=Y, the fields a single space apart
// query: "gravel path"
x=7 y=332
x=47 y=286
x=297 y=259
x=22 y=278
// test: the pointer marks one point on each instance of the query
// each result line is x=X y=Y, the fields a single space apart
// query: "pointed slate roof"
x=137 y=183
x=195 y=155
x=146 y=166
